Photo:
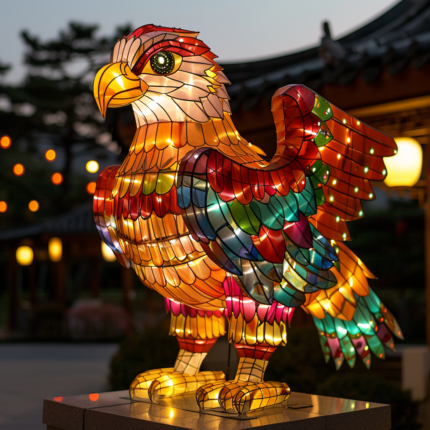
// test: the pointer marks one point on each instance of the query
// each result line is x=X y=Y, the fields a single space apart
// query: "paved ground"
x=31 y=372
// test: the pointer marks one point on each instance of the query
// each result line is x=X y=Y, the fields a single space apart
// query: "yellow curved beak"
x=115 y=85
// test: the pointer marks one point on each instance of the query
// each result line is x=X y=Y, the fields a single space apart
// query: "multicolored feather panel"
x=253 y=223
x=369 y=331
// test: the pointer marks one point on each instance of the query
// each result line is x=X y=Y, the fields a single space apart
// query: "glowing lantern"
x=50 y=155
x=5 y=142
x=107 y=253
x=55 y=249
x=91 y=188
x=57 y=178
x=33 y=206
x=3 y=207
x=92 y=166
x=24 y=255
x=18 y=169
x=404 y=169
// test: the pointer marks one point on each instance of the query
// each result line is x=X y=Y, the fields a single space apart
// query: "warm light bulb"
x=404 y=168
x=92 y=166
x=91 y=187
x=24 y=255
x=3 y=207
x=33 y=206
x=55 y=249
x=50 y=155
x=57 y=178
x=18 y=169
x=107 y=253
x=5 y=142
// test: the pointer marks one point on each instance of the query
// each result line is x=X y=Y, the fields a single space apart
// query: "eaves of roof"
x=393 y=41
x=78 y=221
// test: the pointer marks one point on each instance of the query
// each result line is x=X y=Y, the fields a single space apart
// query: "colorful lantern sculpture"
x=222 y=234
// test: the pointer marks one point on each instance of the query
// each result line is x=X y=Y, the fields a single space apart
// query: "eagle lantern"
x=227 y=237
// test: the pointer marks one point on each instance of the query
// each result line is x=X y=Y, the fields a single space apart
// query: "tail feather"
x=369 y=331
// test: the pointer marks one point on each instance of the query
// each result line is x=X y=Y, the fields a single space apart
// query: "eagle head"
x=166 y=74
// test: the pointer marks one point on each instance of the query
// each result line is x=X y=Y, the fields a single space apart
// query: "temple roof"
x=398 y=38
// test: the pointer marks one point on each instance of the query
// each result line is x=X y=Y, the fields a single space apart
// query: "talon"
x=207 y=396
x=154 y=391
x=166 y=384
x=240 y=396
x=228 y=394
x=141 y=383
x=259 y=396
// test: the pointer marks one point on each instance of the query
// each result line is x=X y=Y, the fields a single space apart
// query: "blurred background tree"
x=54 y=109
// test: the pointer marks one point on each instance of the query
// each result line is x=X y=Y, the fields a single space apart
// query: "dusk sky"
x=235 y=30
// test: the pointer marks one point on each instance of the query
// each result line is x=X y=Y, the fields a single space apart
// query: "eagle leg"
x=255 y=343
x=196 y=332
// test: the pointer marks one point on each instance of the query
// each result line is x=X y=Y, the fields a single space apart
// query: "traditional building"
x=379 y=73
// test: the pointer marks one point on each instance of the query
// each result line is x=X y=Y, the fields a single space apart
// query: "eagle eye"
x=163 y=62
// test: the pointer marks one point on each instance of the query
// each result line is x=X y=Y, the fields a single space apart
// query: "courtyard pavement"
x=31 y=372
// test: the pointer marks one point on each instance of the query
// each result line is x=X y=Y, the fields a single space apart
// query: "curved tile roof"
x=393 y=41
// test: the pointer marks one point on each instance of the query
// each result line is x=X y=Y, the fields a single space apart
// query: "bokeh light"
x=3 y=207
x=91 y=188
x=5 y=142
x=404 y=169
x=107 y=253
x=33 y=206
x=55 y=249
x=24 y=255
x=18 y=169
x=57 y=178
x=92 y=166
x=50 y=155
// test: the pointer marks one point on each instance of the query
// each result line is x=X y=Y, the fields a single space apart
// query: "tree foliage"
x=54 y=106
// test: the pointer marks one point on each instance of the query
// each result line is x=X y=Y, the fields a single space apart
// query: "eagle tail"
x=370 y=330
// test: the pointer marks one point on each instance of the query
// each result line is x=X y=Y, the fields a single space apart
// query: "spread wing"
x=278 y=229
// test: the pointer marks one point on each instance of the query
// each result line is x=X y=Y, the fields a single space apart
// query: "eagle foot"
x=167 y=383
x=241 y=396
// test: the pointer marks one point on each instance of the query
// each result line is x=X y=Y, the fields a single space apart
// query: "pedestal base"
x=115 y=411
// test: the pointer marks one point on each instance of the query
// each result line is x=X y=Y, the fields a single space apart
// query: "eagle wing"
x=279 y=228
x=103 y=210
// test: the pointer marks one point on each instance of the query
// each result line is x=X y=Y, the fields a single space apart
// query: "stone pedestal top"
x=115 y=411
